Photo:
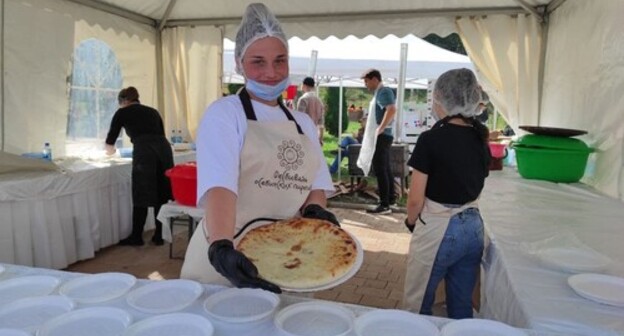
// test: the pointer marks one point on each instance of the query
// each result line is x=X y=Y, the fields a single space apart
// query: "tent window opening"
x=95 y=82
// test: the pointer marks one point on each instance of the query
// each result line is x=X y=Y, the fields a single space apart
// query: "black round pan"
x=553 y=131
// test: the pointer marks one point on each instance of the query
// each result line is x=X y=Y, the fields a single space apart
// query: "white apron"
x=423 y=249
x=277 y=168
x=370 y=138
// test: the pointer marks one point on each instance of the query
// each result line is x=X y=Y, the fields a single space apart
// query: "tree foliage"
x=332 y=103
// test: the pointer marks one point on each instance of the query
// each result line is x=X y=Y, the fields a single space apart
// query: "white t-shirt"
x=220 y=138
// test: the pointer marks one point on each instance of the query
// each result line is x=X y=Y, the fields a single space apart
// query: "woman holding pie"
x=450 y=164
x=255 y=158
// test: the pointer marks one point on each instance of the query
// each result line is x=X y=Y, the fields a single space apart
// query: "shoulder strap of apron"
x=251 y=115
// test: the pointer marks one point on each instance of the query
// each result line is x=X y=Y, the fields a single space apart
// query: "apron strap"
x=251 y=114
x=289 y=115
x=265 y=219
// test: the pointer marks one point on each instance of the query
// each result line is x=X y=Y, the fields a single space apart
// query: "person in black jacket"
x=151 y=157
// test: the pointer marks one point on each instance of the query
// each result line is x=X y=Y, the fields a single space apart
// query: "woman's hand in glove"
x=409 y=226
x=236 y=267
x=317 y=211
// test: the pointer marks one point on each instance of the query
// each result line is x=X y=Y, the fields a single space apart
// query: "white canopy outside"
x=350 y=57
x=547 y=62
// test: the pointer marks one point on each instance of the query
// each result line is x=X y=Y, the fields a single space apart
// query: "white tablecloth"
x=55 y=219
x=172 y=210
x=265 y=328
x=525 y=216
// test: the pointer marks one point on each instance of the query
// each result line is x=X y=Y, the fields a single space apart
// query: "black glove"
x=236 y=267
x=317 y=211
x=409 y=226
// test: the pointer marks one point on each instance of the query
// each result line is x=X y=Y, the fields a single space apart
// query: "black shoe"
x=131 y=242
x=158 y=241
x=380 y=210
x=393 y=202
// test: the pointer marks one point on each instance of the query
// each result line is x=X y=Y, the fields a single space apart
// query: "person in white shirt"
x=312 y=105
x=255 y=159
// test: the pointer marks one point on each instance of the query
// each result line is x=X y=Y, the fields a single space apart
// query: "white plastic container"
x=315 y=319
x=241 y=305
x=385 y=322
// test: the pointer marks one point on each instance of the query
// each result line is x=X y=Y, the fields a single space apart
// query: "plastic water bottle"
x=47 y=151
x=180 y=137
x=174 y=138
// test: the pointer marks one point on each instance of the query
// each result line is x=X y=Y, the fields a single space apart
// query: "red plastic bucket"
x=498 y=150
x=184 y=183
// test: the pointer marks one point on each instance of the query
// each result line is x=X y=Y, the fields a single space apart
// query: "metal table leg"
x=171 y=219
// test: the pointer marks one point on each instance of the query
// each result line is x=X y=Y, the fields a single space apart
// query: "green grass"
x=330 y=143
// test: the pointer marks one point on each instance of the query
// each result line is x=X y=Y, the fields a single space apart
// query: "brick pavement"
x=379 y=282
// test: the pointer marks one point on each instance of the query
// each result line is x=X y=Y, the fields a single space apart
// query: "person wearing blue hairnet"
x=450 y=163
x=255 y=158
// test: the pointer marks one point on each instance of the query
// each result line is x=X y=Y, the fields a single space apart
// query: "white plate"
x=601 y=288
x=94 y=321
x=359 y=259
x=165 y=296
x=172 y=324
x=480 y=327
x=13 y=332
x=98 y=287
x=26 y=286
x=573 y=260
x=241 y=305
x=29 y=313
x=392 y=322
x=315 y=319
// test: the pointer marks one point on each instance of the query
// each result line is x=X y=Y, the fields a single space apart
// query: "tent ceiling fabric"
x=323 y=18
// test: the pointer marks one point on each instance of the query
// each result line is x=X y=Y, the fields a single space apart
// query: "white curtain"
x=39 y=41
x=506 y=53
x=192 y=58
x=584 y=84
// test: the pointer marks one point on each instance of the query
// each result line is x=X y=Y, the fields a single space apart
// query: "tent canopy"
x=350 y=57
x=323 y=18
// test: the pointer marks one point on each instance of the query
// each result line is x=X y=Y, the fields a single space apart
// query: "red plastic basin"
x=184 y=183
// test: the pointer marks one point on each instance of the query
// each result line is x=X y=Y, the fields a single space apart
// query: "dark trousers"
x=381 y=166
x=139 y=215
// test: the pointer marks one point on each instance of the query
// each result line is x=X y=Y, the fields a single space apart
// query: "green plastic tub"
x=550 y=158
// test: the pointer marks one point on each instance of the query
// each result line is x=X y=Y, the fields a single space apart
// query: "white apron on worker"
x=423 y=249
x=277 y=168
x=370 y=138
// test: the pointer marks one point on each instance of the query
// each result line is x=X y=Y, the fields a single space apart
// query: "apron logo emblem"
x=290 y=155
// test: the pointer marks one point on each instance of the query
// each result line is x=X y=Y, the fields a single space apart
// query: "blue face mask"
x=267 y=92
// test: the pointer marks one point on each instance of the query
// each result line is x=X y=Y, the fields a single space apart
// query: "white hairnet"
x=258 y=22
x=458 y=92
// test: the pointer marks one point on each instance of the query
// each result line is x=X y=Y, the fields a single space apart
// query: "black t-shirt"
x=137 y=120
x=456 y=161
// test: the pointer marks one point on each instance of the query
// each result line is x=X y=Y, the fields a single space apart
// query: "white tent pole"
x=339 y=128
x=2 y=128
x=160 y=86
x=123 y=12
x=165 y=17
x=398 y=125
x=312 y=65
x=360 y=16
